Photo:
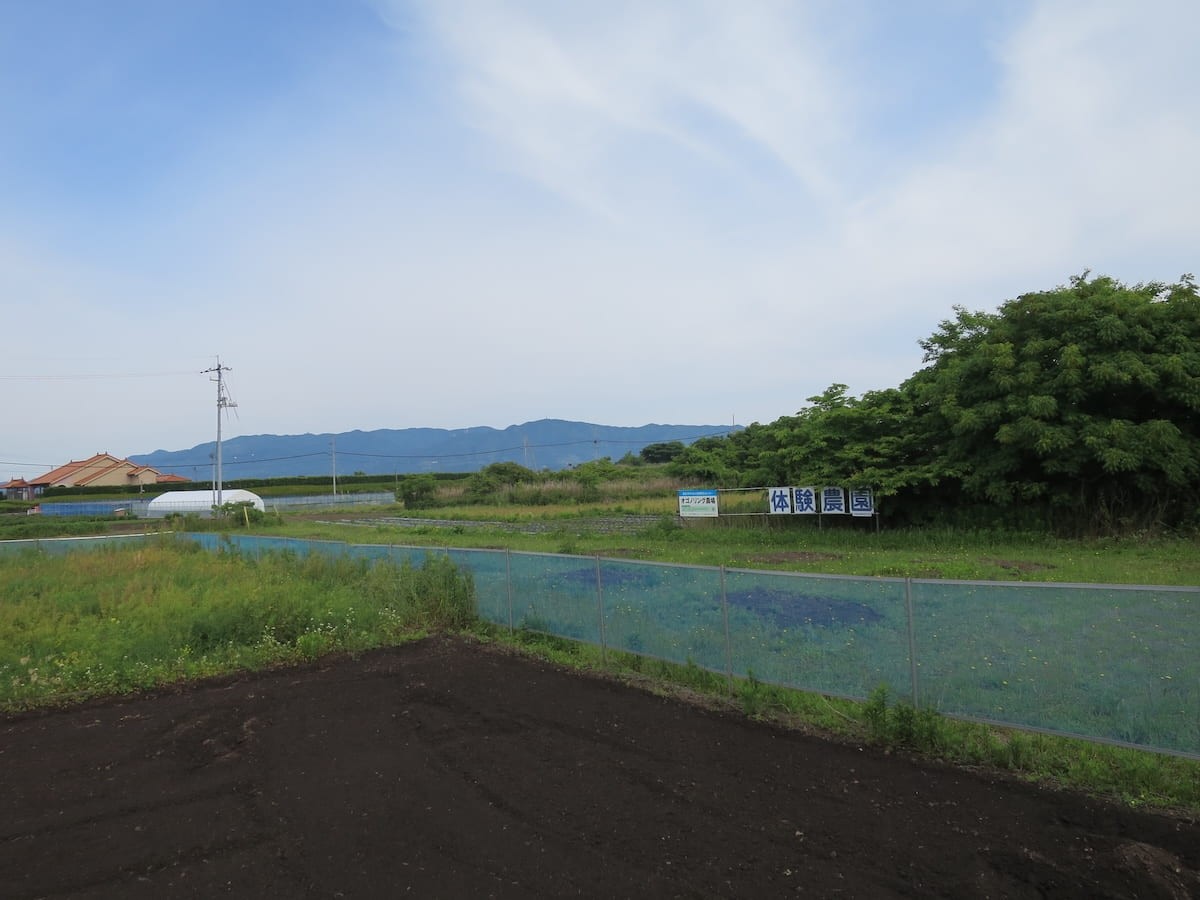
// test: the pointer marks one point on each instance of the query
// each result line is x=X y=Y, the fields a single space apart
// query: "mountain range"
x=545 y=444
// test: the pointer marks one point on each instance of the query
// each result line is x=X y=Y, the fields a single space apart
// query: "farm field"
x=452 y=768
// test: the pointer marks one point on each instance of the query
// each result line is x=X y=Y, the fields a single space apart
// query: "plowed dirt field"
x=448 y=769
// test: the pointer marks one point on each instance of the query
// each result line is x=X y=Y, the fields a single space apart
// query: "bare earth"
x=447 y=769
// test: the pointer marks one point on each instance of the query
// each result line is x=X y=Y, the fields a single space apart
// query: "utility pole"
x=333 y=453
x=223 y=402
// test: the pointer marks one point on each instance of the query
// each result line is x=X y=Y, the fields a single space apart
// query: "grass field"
x=122 y=618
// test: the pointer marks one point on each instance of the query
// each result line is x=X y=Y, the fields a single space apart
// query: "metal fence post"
x=600 y=613
x=728 y=642
x=508 y=585
x=912 y=642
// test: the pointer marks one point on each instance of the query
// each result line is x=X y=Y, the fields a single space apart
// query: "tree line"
x=1074 y=410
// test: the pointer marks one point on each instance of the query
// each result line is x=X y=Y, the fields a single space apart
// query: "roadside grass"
x=114 y=620
x=1133 y=777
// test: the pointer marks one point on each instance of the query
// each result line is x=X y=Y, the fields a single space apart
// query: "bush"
x=417 y=491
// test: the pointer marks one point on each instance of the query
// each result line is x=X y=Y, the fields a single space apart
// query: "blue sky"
x=397 y=213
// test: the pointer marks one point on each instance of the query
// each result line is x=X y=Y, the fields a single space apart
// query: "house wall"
x=109 y=474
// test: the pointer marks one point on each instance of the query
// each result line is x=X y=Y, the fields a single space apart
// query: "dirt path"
x=444 y=769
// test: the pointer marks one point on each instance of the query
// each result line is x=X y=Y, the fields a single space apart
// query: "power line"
x=93 y=376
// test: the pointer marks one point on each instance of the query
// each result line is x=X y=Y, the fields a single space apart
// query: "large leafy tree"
x=1083 y=401
x=840 y=439
x=661 y=452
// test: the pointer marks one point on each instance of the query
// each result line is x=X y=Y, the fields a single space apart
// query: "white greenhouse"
x=198 y=502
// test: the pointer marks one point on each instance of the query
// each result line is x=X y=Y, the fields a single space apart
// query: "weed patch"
x=120 y=619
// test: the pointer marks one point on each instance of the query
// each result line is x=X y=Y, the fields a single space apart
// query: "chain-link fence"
x=1112 y=663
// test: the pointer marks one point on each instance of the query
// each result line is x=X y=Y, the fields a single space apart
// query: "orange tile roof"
x=64 y=472
x=104 y=464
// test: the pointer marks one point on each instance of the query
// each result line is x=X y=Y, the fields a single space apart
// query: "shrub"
x=417 y=491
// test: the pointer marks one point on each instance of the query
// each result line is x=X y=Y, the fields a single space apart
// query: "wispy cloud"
x=457 y=213
x=1081 y=161
x=587 y=100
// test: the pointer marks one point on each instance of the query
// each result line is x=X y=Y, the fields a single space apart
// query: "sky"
x=400 y=213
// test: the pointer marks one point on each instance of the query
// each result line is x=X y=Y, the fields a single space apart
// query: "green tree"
x=709 y=465
x=662 y=452
x=417 y=491
x=1083 y=401
x=840 y=439
x=510 y=473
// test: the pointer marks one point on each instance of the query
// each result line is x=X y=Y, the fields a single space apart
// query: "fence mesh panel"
x=1117 y=663
x=843 y=636
x=668 y=612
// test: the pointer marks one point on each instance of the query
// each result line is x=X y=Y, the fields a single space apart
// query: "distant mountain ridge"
x=545 y=444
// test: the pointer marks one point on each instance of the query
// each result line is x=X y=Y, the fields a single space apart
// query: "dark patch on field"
x=614 y=576
x=790 y=610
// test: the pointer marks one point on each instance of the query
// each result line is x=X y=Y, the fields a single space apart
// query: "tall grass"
x=120 y=619
x=569 y=494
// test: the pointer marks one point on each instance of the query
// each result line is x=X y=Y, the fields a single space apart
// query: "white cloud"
x=582 y=102
x=1082 y=161
x=622 y=212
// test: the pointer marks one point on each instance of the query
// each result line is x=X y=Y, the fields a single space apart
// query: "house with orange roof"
x=17 y=489
x=101 y=470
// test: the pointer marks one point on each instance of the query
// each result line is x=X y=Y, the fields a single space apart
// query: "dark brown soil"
x=447 y=769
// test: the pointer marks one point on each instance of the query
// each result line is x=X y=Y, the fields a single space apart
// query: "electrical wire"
x=93 y=376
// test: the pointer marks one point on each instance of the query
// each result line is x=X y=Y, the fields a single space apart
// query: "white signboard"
x=779 y=500
x=695 y=504
x=833 y=501
x=862 y=502
x=804 y=501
